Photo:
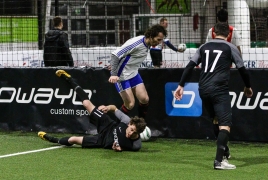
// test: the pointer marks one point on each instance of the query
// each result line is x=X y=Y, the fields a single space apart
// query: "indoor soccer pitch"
x=26 y=156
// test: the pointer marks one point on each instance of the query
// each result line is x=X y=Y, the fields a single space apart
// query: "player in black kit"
x=119 y=136
x=216 y=57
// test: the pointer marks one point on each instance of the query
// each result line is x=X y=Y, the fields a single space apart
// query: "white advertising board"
x=100 y=57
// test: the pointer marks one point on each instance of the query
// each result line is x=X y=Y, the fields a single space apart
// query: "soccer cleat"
x=224 y=165
x=42 y=134
x=62 y=73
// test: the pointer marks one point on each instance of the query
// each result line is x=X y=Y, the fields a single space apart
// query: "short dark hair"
x=56 y=21
x=163 y=19
x=222 y=15
x=139 y=123
x=154 y=30
x=222 y=29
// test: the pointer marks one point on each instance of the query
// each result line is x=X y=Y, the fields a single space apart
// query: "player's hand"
x=108 y=67
x=248 y=92
x=103 y=108
x=181 y=50
x=113 y=79
x=116 y=147
x=178 y=93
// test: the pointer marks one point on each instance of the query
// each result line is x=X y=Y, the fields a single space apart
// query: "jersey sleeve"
x=195 y=60
x=137 y=145
x=209 y=35
x=186 y=73
x=133 y=146
x=245 y=76
x=236 y=39
x=168 y=43
x=122 y=117
x=126 y=49
x=114 y=64
x=196 y=57
x=237 y=59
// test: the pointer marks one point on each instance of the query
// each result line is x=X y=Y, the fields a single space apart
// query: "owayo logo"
x=189 y=105
x=39 y=96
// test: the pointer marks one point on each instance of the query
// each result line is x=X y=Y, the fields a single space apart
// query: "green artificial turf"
x=158 y=159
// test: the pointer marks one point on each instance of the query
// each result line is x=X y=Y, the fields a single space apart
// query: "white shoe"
x=223 y=165
x=225 y=159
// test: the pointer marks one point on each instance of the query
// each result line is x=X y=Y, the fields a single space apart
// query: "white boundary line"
x=28 y=152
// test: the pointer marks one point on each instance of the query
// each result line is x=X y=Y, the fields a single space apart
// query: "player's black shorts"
x=104 y=124
x=156 y=56
x=92 y=141
x=218 y=105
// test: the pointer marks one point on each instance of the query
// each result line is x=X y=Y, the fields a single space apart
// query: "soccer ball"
x=182 y=47
x=146 y=134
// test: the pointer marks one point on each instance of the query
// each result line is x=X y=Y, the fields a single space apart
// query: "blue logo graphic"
x=189 y=105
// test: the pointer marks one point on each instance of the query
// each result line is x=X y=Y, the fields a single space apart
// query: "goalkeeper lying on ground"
x=123 y=135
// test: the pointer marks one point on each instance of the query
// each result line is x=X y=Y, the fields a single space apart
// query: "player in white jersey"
x=156 y=51
x=125 y=62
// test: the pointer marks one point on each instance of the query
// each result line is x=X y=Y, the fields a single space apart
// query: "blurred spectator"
x=56 y=47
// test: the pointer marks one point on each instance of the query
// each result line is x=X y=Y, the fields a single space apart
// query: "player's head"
x=154 y=30
x=222 y=29
x=222 y=15
x=135 y=127
x=164 y=22
x=155 y=34
x=57 y=21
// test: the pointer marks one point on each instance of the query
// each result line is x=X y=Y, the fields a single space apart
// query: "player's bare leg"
x=76 y=140
x=128 y=99
x=140 y=92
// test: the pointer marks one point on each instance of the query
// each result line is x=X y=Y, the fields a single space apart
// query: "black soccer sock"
x=216 y=130
x=143 y=108
x=51 y=139
x=226 y=148
x=72 y=82
x=81 y=93
x=221 y=144
x=124 y=109
x=64 y=141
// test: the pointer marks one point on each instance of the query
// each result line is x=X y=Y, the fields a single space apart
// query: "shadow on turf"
x=249 y=161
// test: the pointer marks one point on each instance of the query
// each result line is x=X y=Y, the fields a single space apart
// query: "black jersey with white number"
x=215 y=57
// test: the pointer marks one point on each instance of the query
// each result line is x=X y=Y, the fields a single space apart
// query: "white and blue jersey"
x=128 y=58
x=160 y=46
